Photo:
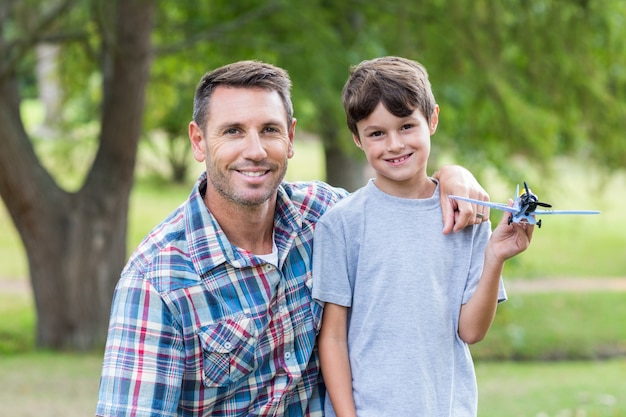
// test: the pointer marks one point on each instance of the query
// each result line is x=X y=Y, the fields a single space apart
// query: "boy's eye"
x=407 y=126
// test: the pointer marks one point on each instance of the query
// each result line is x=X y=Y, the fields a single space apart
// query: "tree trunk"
x=75 y=254
x=76 y=242
x=344 y=169
x=344 y=166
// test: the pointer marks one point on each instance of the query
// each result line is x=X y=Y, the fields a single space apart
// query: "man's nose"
x=255 y=148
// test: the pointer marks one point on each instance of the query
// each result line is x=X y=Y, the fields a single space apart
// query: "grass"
x=17 y=323
x=557 y=326
x=553 y=389
x=49 y=384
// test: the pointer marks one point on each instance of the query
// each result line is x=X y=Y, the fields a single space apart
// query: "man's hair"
x=242 y=74
x=400 y=84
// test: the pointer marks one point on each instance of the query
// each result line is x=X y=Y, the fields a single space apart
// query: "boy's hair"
x=242 y=74
x=400 y=84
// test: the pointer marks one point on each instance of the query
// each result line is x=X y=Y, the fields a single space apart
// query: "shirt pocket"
x=316 y=307
x=228 y=348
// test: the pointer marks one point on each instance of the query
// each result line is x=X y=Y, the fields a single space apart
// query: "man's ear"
x=292 y=135
x=198 y=144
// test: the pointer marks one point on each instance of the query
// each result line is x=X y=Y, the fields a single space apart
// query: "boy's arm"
x=333 y=350
x=478 y=313
x=456 y=180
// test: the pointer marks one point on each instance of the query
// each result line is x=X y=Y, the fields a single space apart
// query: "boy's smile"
x=399 y=161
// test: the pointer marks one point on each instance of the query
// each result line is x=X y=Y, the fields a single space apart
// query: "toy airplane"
x=524 y=207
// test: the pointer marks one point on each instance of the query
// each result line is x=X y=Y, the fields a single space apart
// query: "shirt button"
x=287 y=355
x=228 y=345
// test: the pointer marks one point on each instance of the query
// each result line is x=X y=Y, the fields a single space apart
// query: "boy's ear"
x=357 y=141
x=434 y=120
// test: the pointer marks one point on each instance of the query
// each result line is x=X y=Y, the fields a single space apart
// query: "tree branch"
x=219 y=30
x=15 y=50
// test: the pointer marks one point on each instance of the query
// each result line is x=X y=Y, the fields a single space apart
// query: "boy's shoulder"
x=351 y=205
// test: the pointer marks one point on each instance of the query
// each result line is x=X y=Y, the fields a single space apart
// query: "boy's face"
x=397 y=148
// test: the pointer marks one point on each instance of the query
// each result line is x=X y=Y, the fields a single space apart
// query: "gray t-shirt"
x=405 y=281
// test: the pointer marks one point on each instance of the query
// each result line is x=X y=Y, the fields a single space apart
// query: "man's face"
x=246 y=144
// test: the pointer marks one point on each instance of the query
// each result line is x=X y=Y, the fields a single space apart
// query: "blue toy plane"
x=524 y=207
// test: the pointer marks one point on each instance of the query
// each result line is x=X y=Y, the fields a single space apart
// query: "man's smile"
x=253 y=173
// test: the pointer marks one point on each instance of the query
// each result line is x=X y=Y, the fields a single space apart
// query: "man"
x=213 y=314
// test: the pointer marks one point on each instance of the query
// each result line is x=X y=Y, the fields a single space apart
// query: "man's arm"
x=456 y=180
x=143 y=360
x=333 y=349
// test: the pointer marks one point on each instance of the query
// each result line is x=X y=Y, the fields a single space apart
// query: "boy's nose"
x=394 y=143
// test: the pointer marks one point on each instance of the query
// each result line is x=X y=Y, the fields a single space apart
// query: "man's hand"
x=456 y=180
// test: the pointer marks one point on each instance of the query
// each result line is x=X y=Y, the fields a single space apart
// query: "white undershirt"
x=271 y=258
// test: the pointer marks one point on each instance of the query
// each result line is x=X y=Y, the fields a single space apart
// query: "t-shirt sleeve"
x=331 y=282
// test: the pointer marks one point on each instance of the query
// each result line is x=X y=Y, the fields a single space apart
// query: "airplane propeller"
x=529 y=201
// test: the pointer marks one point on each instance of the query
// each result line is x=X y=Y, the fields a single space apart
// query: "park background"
x=95 y=98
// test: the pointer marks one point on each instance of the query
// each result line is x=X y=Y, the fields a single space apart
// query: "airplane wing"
x=498 y=206
x=544 y=212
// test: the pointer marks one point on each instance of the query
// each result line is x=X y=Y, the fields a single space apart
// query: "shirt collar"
x=209 y=246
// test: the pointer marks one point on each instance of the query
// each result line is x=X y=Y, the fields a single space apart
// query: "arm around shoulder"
x=456 y=180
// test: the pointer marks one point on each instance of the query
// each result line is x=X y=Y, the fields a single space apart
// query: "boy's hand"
x=508 y=240
x=456 y=180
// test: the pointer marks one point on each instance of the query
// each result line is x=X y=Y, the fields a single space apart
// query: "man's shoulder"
x=164 y=247
x=311 y=196
x=301 y=190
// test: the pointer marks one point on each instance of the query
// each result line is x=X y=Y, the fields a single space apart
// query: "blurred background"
x=96 y=97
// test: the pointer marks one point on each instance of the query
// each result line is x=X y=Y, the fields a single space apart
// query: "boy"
x=402 y=301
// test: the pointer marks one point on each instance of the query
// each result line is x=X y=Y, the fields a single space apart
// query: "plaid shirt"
x=200 y=327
